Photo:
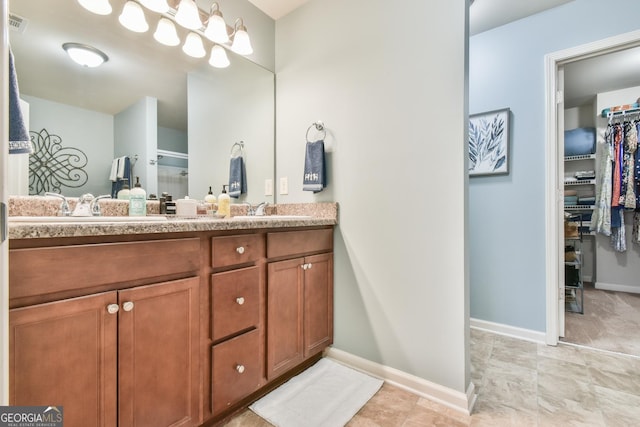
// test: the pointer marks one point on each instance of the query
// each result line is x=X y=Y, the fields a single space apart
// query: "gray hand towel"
x=315 y=177
x=237 y=177
x=19 y=141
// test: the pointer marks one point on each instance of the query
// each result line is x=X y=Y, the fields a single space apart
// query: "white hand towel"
x=121 y=167
x=113 y=176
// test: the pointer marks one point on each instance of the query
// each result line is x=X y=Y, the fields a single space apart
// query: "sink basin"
x=270 y=217
x=76 y=219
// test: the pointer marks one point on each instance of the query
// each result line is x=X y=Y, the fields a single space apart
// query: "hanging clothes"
x=601 y=219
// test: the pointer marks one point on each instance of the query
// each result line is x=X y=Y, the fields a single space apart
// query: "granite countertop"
x=310 y=214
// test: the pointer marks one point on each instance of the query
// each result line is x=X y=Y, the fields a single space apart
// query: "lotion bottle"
x=224 y=203
x=123 y=194
x=137 y=200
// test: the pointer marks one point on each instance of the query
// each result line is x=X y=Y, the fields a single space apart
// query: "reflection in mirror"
x=98 y=110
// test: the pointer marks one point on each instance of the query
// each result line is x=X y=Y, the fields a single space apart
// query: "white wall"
x=136 y=133
x=388 y=80
x=617 y=270
x=89 y=131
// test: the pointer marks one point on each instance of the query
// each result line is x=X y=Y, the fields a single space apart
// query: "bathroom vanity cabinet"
x=107 y=331
x=166 y=329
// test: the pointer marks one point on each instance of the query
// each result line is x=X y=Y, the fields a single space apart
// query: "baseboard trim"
x=618 y=288
x=510 y=331
x=460 y=402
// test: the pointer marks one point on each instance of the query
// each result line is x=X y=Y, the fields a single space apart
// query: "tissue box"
x=579 y=141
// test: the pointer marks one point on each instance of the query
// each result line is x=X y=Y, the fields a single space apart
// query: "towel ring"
x=320 y=128
x=239 y=145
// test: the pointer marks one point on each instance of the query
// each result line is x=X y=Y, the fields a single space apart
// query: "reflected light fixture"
x=159 y=6
x=85 y=55
x=218 y=57
x=188 y=15
x=193 y=46
x=216 y=30
x=241 y=42
x=132 y=17
x=99 y=7
x=166 y=33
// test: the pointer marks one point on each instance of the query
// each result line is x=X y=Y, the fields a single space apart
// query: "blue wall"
x=507 y=226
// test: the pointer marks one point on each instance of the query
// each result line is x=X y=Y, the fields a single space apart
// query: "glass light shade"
x=216 y=28
x=132 y=17
x=87 y=56
x=99 y=7
x=188 y=15
x=159 y=6
x=166 y=33
x=241 y=43
x=218 y=57
x=193 y=46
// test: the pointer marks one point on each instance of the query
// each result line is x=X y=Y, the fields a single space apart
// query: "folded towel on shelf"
x=570 y=200
x=570 y=192
x=586 y=200
x=19 y=140
x=315 y=177
x=237 y=177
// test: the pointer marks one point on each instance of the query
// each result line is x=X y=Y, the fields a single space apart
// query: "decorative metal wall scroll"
x=52 y=166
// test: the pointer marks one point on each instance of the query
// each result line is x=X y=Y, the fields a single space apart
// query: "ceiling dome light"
x=216 y=27
x=218 y=57
x=188 y=15
x=132 y=17
x=193 y=46
x=99 y=7
x=241 y=42
x=85 y=55
x=166 y=33
x=159 y=6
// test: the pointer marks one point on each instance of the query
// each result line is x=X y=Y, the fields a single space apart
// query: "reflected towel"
x=315 y=178
x=19 y=141
x=113 y=176
x=124 y=165
x=237 y=177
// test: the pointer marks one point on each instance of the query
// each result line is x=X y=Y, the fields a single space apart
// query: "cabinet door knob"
x=304 y=266
x=113 y=308
x=240 y=368
x=240 y=249
x=309 y=265
x=127 y=306
x=240 y=300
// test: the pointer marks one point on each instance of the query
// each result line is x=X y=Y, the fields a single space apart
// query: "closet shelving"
x=573 y=282
x=581 y=185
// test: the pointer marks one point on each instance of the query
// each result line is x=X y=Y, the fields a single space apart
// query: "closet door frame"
x=554 y=165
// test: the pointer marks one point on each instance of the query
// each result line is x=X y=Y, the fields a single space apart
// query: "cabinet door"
x=318 y=303
x=64 y=354
x=284 y=316
x=158 y=355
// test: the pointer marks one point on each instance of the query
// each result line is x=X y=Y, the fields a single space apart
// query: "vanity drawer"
x=235 y=250
x=236 y=370
x=289 y=243
x=235 y=297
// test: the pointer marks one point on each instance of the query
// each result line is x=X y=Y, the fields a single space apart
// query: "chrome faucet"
x=95 y=205
x=64 y=206
x=259 y=210
x=83 y=206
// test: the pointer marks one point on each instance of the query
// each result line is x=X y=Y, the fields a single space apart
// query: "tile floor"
x=519 y=383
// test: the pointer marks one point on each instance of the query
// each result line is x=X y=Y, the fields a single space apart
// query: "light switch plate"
x=268 y=187
x=284 y=185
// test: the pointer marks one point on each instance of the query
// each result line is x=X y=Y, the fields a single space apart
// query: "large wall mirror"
x=194 y=113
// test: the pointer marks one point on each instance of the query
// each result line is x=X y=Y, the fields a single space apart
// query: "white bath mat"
x=327 y=394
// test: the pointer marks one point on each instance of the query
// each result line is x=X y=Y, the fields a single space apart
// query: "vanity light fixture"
x=216 y=30
x=99 y=7
x=159 y=6
x=218 y=58
x=241 y=42
x=85 y=55
x=193 y=46
x=132 y=17
x=166 y=33
x=188 y=15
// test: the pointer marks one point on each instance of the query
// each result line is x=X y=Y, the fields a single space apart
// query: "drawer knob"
x=240 y=249
x=240 y=300
x=127 y=306
x=240 y=368
x=309 y=265
x=113 y=308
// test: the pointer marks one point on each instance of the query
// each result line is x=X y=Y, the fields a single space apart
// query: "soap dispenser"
x=123 y=194
x=209 y=200
x=224 y=203
x=137 y=200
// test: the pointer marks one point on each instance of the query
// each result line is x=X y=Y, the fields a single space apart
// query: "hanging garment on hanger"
x=617 y=169
x=601 y=219
x=630 y=146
